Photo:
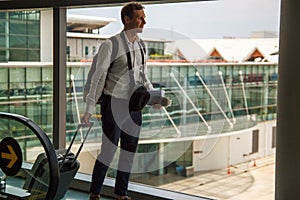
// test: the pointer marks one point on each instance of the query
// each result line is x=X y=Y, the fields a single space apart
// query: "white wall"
x=77 y=48
x=46 y=28
x=214 y=151
x=266 y=138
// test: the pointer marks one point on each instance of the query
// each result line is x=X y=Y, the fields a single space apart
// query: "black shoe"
x=123 y=198
x=94 y=197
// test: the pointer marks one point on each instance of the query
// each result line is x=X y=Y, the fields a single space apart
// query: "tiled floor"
x=77 y=195
x=253 y=180
x=248 y=181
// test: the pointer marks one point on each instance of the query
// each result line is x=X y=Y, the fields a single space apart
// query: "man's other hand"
x=86 y=118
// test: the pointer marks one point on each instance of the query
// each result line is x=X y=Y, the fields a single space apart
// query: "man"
x=111 y=82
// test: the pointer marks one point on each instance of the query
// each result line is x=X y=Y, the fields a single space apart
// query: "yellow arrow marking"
x=10 y=156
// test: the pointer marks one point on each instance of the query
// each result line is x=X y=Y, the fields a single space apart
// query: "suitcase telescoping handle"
x=79 y=126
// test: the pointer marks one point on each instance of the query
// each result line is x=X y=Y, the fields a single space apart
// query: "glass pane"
x=2 y=15
x=34 y=42
x=17 y=83
x=174 y=139
x=3 y=75
x=17 y=76
x=17 y=55
x=47 y=78
x=33 y=81
x=17 y=15
x=33 y=28
x=33 y=15
x=3 y=56
x=17 y=27
x=33 y=55
x=16 y=41
x=2 y=26
x=4 y=93
x=3 y=41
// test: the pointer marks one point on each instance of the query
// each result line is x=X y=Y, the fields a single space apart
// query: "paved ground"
x=248 y=181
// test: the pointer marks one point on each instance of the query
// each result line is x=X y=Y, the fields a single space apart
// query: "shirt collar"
x=127 y=40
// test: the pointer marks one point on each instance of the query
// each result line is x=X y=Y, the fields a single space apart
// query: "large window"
x=216 y=104
x=157 y=159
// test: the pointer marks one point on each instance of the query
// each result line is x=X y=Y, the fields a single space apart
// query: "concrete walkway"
x=247 y=181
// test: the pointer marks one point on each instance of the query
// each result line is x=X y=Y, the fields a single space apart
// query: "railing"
x=35 y=98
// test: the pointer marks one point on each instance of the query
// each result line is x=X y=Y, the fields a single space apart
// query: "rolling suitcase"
x=38 y=179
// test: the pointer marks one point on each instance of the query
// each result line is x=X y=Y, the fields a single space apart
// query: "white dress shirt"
x=114 y=80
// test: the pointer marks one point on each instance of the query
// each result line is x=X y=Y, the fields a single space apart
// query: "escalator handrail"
x=48 y=146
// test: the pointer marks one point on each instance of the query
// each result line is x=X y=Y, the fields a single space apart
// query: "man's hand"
x=156 y=106
x=86 y=118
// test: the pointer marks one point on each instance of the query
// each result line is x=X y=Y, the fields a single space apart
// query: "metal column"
x=288 y=126
x=59 y=77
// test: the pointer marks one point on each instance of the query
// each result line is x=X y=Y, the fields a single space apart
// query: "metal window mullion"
x=59 y=77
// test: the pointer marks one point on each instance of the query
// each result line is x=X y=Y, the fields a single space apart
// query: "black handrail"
x=48 y=147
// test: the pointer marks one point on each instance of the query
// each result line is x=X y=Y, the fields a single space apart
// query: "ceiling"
x=39 y=4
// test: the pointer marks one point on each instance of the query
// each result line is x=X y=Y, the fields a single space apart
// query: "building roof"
x=231 y=50
x=87 y=35
x=83 y=23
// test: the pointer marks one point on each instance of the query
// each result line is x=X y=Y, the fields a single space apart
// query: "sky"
x=200 y=20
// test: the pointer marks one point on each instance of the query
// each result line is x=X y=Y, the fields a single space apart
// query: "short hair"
x=129 y=8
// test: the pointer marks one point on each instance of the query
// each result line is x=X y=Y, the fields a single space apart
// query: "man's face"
x=137 y=22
